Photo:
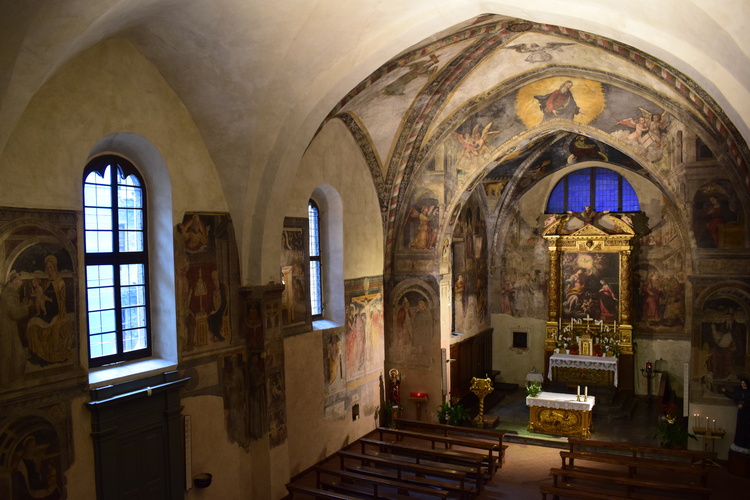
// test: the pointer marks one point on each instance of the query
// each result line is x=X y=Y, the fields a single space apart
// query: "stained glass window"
x=316 y=289
x=601 y=188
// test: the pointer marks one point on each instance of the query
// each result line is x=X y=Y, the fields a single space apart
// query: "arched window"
x=316 y=288
x=116 y=259
x=601 y=188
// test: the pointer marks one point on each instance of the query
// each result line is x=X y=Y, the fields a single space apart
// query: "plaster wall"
x=334 y=159
x=76 y=109
x=515 y=364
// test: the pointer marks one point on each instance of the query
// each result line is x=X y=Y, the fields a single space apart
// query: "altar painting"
x=590 y=286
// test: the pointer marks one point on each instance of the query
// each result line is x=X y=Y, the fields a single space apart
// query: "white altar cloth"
x=562 y=401
x=578 y=361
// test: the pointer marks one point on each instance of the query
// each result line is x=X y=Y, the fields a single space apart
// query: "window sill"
x=324 y=324
x=123 y=372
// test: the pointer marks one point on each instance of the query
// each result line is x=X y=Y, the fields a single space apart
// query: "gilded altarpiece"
x=590 y=297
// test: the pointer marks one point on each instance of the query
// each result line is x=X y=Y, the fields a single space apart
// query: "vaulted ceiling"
x=408 y=78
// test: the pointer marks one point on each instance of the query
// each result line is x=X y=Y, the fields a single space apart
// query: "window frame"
x=316 y=278
x=117 y=258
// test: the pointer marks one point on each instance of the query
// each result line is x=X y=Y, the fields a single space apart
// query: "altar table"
x=560 y=414
x=583 y=370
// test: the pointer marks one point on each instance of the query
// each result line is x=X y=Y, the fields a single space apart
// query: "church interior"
x=238 y=236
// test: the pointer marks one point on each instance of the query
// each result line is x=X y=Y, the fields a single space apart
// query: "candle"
x=706 y=423
x=714 y=421
x=587 y=391
x=579 y=390
x=601 y=325
x=696 y=415
x=615 y=327
x=559 y=324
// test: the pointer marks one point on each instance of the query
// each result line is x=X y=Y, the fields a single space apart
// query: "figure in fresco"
x=195 y=234
x=536 y=52
x=415 y=70
x=34 y=479
x=12 y=310
x=218 y=318
x=460 y=301
x=50 y=332
x=475 y=144
x=560 y=103
x=584 y=149
x=508 y=297
x=728 y=342
x=425 y=236
x=714 y=217
x=257 y=396
x=651 y=294
x=647 y=131
x=404 y=322
x=575 y=285
x=235 y=402
x=335 y=367
x=588 y=215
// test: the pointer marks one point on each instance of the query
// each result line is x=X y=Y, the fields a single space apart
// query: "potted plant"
x=442 y=412
x=458 y=414
x=533 y=388
x=671 y=433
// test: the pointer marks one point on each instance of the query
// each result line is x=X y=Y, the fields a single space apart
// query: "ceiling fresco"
x=507 y=101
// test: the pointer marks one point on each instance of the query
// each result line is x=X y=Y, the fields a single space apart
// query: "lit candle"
x=714 y=424
x=706 y=423
x=695 y=417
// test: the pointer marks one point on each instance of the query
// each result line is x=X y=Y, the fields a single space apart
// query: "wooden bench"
x=457 y=431
x=293 y=488
x=694 y=456
x=491 y=449
x=436 y=477
x=467 y=462
x=378 y=484
x=602 y=478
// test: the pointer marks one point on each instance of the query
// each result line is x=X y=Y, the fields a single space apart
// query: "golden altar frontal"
x=561 y=414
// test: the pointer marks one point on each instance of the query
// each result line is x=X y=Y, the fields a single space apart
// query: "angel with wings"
x=537 y=53
x=647 y=128
x=475 y=144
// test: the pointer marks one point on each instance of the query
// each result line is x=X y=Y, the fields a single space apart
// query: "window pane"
x=312 y=213
x=316 y=299
x=131 y=241
x=130 y=219
x=129 y=197
x=629 y=198
x=132 y=274
x=133 y=317
x=133 y=340
x=606 y=185
x=99 y=276
x=556 y=202
x=103 y=345
x=133 y=296
x=95 y=178
x=579 y=190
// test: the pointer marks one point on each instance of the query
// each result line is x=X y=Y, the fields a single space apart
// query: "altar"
x=561 y=414
x=583 y=370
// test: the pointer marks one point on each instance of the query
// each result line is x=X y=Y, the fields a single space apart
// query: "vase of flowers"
x=533 y=389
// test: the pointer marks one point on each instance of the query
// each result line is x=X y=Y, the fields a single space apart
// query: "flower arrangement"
x=671 y=433
x=574 y=349
x=533 y=388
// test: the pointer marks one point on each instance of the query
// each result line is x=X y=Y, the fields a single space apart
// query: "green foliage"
x=452 y=414
x=386 y=418
x=534 y=388
x=672 y=435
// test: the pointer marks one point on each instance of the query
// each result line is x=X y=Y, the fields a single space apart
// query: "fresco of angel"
x=647 y=131
x=536 y=52
x=475 y=144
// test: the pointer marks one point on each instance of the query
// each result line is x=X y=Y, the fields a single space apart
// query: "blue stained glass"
x=579 y=189
x=556 y=203
x=629 y=198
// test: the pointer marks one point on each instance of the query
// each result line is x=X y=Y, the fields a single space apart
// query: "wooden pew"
x=597 y=480
x=378 y=484
x=293 y=489
x=688 y=464
x=436 y=477
x=469 y=463
x=457 y=431
x=489 y=448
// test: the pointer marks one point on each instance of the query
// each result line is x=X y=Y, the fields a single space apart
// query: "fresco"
x=421 y=226
x=717 y=216
x=206 y=281
x=660 y=279
x=413 y=332
x=34 y=464
x=234 y=376
x=364 y=328
x=38 y=307
x=723 y=341
x=524 y=272
x=295 y=272
x=470 y=269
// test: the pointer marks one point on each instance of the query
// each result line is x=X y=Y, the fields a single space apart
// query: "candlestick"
x=615 y=327
x=559 y=324
x=695 y=416
x=586 y=394
x=714 y=424
x=706 y=423
x=579 y=391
